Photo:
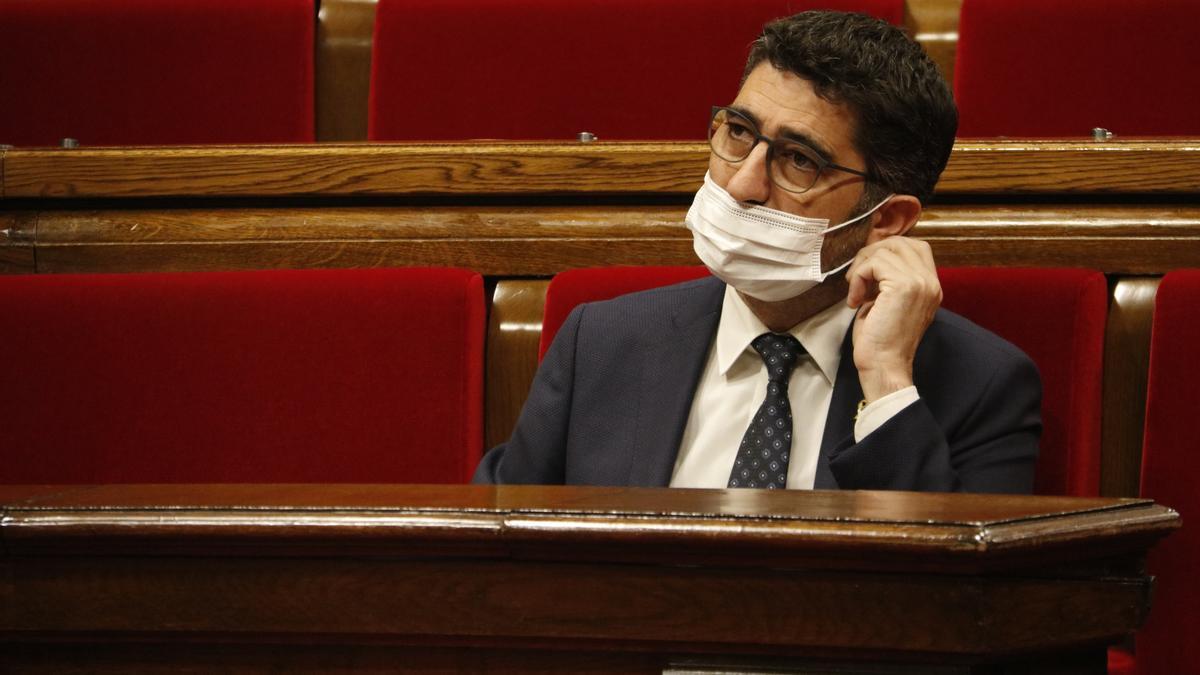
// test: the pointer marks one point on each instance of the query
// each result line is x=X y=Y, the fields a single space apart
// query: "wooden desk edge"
x=542 y=523
x=1033 y=166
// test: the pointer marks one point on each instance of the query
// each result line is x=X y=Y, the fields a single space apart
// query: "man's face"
x=784 y=105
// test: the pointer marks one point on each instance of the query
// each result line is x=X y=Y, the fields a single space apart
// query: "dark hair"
x=905 y=118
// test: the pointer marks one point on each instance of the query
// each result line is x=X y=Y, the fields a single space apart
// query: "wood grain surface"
x=487 y=168
x=17 y=242
x=366 y=169
x=345 y=31
x=542 y=241
x=902 y=579
x=963 y=531
x=1126 y=369
x=934 y=25
x=513 y=333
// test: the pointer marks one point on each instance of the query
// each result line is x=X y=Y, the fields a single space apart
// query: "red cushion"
x=549 y=69
x=575 y=287
x=125 y=72
x=1121 y=662
x=281 y=376
x=1056 y=316
x=1062 y=67
x=1170 y=476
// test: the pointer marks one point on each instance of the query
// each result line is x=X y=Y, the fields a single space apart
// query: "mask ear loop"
x=857 y=218
x=839 y=268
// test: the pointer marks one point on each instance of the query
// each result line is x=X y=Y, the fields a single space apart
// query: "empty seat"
x=1057 y=316
x=1063 y=67
x=152 y=72
x=329 y=376
x=549 y=69
x=1170 y=475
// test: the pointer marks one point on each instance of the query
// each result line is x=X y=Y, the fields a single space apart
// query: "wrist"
x=879 y=382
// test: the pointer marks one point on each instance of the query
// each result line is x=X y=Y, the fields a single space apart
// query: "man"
x=781 y=370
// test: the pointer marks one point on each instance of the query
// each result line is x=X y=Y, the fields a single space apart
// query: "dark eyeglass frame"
x=773 y=143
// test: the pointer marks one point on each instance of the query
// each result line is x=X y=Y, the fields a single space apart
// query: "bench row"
x=376 y=376
x=238 y=71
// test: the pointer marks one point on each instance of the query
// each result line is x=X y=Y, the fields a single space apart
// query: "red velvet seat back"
x=330 y=376
x=549 y=69
x=1062 y=67
x=134 y=72
x=575 y=287
x=1170 y=475
x=1056 y=316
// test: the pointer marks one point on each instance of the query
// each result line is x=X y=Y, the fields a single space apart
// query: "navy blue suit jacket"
x=611 y=399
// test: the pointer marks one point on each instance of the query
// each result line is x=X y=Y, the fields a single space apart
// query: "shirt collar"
x=821 y=334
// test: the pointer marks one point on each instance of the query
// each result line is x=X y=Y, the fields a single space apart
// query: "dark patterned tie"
x=762 y=459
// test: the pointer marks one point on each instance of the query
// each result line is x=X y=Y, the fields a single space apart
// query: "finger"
x=905 y=251
x=907 y=255
x=861 y=277
x=864 y=310
x=926 y=252
x=881 y=267
x=887 y=268
x=920 y=256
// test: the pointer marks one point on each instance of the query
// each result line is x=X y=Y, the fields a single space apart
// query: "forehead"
x=783 y=104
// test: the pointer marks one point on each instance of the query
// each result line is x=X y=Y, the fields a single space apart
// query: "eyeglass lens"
x=794 y=166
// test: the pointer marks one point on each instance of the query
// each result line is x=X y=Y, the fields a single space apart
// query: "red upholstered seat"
x=1062 y=67
x=1056 y=316
x=575 y=287
x=330 y=376
x=133 y=72
x=1121 y=662
x=549 y=69
x=1170 y=475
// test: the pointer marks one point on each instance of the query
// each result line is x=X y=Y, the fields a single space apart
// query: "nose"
x=750 y=183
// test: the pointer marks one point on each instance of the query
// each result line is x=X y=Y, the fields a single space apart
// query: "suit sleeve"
x=991 y=446
x=535 y=453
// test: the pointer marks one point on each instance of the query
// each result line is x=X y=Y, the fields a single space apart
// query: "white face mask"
x=766 y=254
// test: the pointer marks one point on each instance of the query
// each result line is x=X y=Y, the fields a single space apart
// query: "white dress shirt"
x=734 y=383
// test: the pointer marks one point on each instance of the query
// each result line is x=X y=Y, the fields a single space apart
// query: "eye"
x=738 y=131
x=798 y=159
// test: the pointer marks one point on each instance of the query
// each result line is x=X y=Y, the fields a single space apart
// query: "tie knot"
x=780 y=353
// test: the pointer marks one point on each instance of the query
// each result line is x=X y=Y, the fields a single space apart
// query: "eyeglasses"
x=792 y=165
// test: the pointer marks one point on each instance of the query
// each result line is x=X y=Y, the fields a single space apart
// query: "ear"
x=894 y=218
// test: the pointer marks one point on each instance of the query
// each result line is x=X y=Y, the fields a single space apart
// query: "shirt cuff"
x=874 y=415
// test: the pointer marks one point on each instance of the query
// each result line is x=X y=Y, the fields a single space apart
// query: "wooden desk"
x=362 y=578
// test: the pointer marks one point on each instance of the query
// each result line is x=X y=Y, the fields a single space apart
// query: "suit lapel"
x=672 y=363
x=839 y=423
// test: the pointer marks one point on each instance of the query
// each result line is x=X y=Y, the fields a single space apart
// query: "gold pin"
x=861 y=404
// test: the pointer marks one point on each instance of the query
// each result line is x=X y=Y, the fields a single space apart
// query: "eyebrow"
x=787 y=133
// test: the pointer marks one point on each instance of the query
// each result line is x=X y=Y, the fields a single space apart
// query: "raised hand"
x=894 y=286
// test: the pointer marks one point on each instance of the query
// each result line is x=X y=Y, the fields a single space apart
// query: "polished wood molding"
x=345 y=31
x=934 y=25
x=846 y=530
x=363 y=169
x=542 y=241
x=900 y=578
x=1032 y=167
x=513 y=334
x=17 y=243
x=1121 y=239
x=1126 y=369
